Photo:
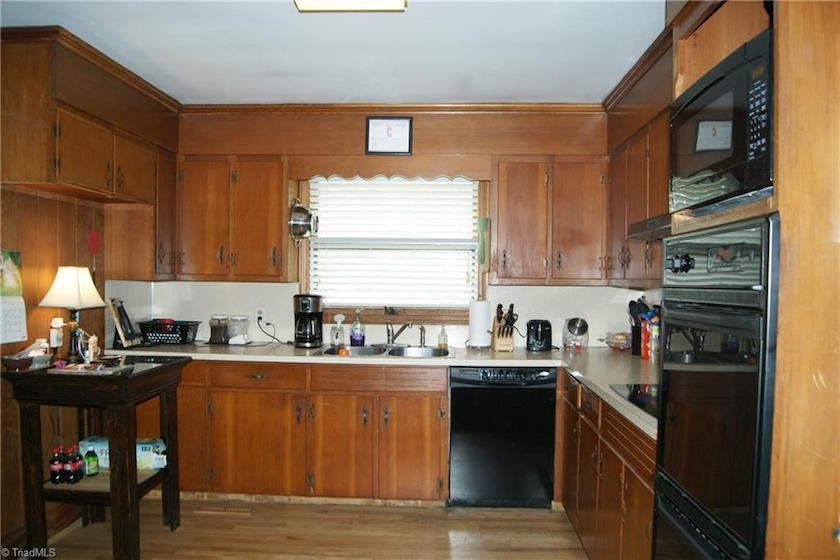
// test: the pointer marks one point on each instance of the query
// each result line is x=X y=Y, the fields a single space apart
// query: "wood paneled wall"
x=448 y=140
x=805 y=473
x=49 y=232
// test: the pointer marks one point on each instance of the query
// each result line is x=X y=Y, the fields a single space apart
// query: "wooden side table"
x=122 y=485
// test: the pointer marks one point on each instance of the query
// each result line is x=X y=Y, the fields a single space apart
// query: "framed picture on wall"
x=389 y=136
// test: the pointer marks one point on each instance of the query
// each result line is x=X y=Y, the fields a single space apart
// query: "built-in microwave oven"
x=721 y=132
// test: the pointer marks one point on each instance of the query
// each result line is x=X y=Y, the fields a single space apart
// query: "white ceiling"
x=434 y=52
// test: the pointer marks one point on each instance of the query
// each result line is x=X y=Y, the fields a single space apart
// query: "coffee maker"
x=309 y=321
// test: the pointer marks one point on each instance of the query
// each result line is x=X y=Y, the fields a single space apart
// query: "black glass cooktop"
x=645 y=397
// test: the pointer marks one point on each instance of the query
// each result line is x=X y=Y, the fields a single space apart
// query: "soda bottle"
x=69 y=473
x=56 y=466
x=91 y=462
x=78 y=464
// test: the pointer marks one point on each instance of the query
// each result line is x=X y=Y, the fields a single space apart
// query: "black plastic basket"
x=177 y=332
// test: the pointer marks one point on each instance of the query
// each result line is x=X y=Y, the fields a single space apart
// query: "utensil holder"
x=636 y=340
x=501 y=342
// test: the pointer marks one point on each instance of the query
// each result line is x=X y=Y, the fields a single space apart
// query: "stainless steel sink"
x=419 y=352
x=356 y=351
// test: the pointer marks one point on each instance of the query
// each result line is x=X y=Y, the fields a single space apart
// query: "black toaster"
x=539 y=336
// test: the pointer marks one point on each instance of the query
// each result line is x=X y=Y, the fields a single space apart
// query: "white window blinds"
x=395 y=242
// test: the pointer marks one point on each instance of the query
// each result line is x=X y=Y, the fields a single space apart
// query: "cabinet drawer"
x=590 y=405
x=257 y=375
x=571 y=388
x=636 y=448
x=415 y=379
x=346 y=378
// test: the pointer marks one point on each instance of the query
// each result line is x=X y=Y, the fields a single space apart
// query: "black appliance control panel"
x=503 y=375
x=758 y=111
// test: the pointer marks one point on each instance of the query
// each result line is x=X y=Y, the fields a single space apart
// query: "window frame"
x=422 y=315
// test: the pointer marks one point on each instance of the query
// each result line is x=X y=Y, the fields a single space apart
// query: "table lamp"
x=73 y=289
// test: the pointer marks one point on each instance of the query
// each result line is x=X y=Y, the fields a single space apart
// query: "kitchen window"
x=394 y=242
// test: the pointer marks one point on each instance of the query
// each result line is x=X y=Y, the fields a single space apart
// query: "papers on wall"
x=12 y=306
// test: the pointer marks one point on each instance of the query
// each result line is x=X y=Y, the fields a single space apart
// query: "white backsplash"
x=605 y=309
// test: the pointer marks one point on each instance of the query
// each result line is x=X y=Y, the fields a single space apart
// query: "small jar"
x=238 y=325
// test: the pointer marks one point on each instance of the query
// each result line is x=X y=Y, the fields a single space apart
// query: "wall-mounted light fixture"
x=351 y=5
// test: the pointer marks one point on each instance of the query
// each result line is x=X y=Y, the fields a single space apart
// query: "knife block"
x=501 y=342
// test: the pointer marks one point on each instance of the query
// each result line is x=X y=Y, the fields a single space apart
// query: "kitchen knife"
x=499 y=314
x=509 y=320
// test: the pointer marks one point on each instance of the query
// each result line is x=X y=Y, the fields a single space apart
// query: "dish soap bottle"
x=357 y=330
x=443 y=339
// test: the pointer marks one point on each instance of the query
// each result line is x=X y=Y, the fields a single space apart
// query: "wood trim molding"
x=440 y=108
x=400 y=315
x=692 y=15
x=65 y=38
x=653 y=53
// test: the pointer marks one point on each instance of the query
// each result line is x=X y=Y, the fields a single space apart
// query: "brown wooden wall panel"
x=476 y=167
x=27 y=142
x=48 y=231
x=336 y=132
x=87 y=86
x=805 y=473
x=641 y=101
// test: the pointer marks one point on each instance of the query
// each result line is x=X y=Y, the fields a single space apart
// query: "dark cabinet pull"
x=504 y=258
x=387 y=416
x=297 y=413
x=312 y=411
x=559 y=259
x=161 y=253
x=221 y=254
x=181 y=258
x=120 y=178
x=109 y=175
x=364 y=416
x=595 y=460
x=258 y=376
x=274 y=256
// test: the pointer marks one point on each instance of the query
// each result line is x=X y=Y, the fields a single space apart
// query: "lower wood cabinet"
x=257 y=442
x=607 y=480
x=340 y=433
x=411 y=430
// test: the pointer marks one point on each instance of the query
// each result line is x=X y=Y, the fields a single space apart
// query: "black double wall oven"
x=716 y=392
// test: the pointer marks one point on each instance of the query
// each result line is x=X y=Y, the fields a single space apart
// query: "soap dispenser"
x=337 y=332
x=357 y=330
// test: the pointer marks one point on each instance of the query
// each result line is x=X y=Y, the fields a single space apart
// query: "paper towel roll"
x=479 y=324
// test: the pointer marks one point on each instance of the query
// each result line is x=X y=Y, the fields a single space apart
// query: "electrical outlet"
x=260 y=314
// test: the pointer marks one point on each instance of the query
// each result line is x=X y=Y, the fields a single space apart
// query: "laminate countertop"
x=597 y=368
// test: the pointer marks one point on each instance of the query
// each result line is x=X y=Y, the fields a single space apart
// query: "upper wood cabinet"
x=75 y=122
x=617 y=221
x=549 y=221
x=232 y=220
x=165 y=217
x=522 y=220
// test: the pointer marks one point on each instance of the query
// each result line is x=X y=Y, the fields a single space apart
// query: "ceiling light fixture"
x=351 y=5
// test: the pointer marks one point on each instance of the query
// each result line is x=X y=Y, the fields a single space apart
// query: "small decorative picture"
x=388 y=136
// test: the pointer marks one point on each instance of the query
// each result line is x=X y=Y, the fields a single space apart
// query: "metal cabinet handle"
x=120 y=178
x=311 y=411
x=161 y=253
x=504 y=258
x=274 y=256
x=221 y=254
x=600 y=467
x=559 y=259
x=365 y=416
x=258 y=376
x=181 y=258
x=298 y=412
x=386 y=415
x=595 y=460
x=109 y=175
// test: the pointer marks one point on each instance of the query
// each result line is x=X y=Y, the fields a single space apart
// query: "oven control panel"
x=503 y=375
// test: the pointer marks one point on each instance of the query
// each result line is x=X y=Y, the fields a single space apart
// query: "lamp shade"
x=73 y=288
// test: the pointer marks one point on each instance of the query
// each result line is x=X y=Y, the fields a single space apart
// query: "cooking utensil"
x=302 y=222
x=499 y=316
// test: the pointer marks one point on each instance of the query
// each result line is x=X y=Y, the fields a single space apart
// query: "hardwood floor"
x=214 y=529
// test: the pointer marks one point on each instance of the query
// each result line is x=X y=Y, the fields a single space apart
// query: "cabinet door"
x=165 y=257
x=637 y=530
x=617 y=224
x=204 y=213
x=257 y=442
x=85 y=150
x=258 y=207
x=135 y=169
x=636 y=194
x=577 y=220
x=339 y=445
x=410 y=447
x=608 y=543
x=659 y=140
x=570 y=461
x=521 y=249
x=192 y=433
x=587 y=524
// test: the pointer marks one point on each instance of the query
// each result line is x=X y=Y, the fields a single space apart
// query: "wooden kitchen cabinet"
x=165 y=217
x=257 y=442
x=203 y=218
x=258 y=204
x=522 y=223
x=84 y=153
x=571 y=454
x=340 y=434
x=587 y=513
x=135 y=168
x=409 y=450
x=617 y=223
x=637 y=521
x=608 y=541
x=578 y=196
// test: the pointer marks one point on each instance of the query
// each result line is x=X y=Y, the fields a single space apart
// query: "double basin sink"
x=397 y=351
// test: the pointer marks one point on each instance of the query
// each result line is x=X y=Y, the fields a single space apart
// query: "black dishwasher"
x=501 y=439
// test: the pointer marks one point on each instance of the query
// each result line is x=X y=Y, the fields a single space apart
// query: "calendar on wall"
x=12 y=306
